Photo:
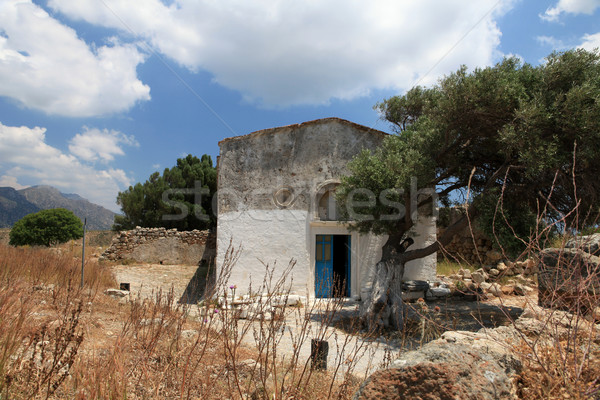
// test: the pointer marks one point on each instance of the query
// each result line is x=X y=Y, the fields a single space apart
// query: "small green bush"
x=45 y=228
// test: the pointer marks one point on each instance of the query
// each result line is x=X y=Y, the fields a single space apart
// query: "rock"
x=531 y=264
x=438 y=292
x=494 y=272
x=479 y=276
x=522 y=290
x=501 y=267
x=495 y=289
x=589 y=244
x=415 y=286
x=493 y=255
x=465 y=273
x=454 y=367
x=485 y=285
x=566 y=277
x=596 y=314
x=518 y=268
x=507 y=290
x=116 y=292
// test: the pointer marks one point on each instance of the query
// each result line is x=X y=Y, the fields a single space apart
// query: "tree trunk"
x=383 y=307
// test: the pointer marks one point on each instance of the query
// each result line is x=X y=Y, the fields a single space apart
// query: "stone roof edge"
x=303 y=124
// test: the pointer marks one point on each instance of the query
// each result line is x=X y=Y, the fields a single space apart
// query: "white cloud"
x=25 y=156
x=10 y=181
x=281 y=53
x=551 y=41
x=93 y=144
x=44 y=65
x=570 y=7
x=591 y=42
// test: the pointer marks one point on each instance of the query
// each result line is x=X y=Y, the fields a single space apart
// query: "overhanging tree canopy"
x=510 y=129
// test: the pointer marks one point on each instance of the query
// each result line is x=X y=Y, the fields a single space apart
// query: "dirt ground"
x=146 y=280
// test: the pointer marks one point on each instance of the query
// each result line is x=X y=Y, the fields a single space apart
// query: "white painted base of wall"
x=272 y=238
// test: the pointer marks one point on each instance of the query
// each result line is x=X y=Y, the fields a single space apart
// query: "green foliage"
x=46 y=227
x=511 y=125
x=181 y=198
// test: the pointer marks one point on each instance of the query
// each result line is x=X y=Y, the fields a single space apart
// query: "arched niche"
x=324 y=204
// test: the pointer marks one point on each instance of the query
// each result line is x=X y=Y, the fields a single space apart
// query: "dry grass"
x=58 y=341
x=446 y=267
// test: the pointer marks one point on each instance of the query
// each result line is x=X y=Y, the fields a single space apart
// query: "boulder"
x=438 y=292
x=589 y=244
x=460 y=365
x=568 y=279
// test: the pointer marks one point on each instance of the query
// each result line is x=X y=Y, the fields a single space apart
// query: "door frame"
x=334 y=228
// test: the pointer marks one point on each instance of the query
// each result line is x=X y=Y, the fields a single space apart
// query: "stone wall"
x=471 y=246
x=162 y=246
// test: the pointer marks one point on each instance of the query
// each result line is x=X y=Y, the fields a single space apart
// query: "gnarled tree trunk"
x=383 y=307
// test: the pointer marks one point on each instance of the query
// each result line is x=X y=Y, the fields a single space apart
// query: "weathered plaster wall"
x=254 y=167
x=160 y=245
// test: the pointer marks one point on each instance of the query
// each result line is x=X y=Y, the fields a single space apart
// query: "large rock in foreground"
x=460 y=365
x=589 y=244
x=568 y=279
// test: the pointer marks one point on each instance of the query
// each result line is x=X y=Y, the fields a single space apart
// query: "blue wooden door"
x=324 y=266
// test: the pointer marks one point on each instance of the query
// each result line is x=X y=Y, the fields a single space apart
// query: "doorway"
x=332 y=265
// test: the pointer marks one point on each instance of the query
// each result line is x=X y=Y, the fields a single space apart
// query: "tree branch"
x=443 y=240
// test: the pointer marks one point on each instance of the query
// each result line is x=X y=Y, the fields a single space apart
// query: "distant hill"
x=15 y=204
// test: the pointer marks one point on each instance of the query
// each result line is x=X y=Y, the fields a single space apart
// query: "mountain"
x=15 y=204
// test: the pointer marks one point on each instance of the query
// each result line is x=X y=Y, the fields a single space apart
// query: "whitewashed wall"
x=423 y=269
x=265 y=237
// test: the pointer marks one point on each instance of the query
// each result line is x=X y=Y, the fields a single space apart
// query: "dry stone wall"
x=472 y=247
x=162 y=246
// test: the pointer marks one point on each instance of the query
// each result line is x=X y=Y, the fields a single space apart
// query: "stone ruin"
x=162 y=246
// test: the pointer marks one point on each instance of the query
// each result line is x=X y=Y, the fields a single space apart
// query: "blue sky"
x=96 y=95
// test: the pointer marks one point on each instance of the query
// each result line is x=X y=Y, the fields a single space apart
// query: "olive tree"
x=525 y=137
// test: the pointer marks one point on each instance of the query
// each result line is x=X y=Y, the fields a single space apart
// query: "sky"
x=96 y=95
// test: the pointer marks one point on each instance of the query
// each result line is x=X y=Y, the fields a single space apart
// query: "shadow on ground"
x=433 y=319
x=198 y=286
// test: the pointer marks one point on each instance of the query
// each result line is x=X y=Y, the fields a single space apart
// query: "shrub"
x=46 y=227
